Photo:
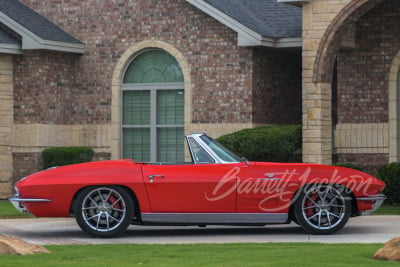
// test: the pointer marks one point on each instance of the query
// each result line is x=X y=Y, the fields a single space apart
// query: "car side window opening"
x=198 y=153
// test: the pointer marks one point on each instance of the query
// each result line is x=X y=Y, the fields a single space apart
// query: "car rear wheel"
x=104 y=211
x=323 y=209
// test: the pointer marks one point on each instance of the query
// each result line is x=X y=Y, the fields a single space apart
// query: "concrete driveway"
x=49 y=231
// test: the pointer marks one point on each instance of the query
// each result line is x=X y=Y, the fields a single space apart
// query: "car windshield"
x=222 y=152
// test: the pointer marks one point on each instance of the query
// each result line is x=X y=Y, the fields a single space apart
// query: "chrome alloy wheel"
x=103 y=209
x=324 y=207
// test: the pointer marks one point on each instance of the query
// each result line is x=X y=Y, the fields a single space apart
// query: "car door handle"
x=151 y=177
x=269 y=179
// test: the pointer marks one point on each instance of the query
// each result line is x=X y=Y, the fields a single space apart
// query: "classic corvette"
x=215 y=187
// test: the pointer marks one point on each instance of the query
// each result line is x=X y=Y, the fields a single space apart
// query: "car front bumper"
x=18 y=202
x=376 y=200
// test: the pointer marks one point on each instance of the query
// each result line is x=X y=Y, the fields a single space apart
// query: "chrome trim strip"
x=377 y=199
x=18 y=199
x=372 y=198
x=215 y=218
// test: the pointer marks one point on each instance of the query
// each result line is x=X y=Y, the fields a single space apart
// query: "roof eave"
x=289 y=42
x=270 y=42
x=29 y=43
x=294 y=2
x=10 y=49
x=246 y=36
x=32 y=41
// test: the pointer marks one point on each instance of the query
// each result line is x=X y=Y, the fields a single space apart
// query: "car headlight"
x=16 y=191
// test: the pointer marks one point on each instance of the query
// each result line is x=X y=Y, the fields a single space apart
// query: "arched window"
x=153 y=108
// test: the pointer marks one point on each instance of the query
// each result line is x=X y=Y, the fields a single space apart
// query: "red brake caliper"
x=310 y=212
x=112 y=200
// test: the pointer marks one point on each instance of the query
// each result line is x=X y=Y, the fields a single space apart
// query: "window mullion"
x=153 y=125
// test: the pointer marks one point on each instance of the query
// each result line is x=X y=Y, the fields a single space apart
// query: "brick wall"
x=363 y=71
x=277 y=87
x=44 y=88
x=221 y=72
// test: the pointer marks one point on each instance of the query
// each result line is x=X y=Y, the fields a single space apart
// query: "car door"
x=191 y=188
x=266 y=187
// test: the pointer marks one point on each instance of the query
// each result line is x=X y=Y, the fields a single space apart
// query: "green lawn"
x=266 y=254
x=388 y=210
x=7 y=210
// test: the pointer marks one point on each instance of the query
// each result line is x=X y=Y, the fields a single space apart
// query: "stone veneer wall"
x=317 y=121
x=363 y=144
x=6 y=118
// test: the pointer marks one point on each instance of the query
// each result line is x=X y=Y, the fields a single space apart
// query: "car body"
x=215 y=187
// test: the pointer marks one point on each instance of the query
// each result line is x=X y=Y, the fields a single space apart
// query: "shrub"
x=60 y=156
x=267 y=143
x=348 y=165
x=390 y=174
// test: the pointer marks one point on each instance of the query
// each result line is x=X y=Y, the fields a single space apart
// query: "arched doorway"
x=152 y=108
x=348 y=83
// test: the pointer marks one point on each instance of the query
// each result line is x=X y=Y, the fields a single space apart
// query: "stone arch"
x=330 y=42
x=118 y=74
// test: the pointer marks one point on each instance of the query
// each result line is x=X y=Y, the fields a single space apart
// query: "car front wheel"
x=104 y=211
x=323 y=209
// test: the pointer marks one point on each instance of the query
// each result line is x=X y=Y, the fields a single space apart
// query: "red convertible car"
x=215 y=187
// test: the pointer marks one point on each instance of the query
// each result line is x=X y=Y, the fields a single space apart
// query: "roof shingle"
x=7 y=38
x=266 y=17
x=34 y=22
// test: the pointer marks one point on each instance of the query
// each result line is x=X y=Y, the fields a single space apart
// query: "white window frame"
x=153 y=88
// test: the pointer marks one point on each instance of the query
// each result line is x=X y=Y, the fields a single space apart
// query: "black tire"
x=322 y=209
x=104 y=211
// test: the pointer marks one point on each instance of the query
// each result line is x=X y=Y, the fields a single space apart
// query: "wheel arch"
x=354 y=207
x=124 y=187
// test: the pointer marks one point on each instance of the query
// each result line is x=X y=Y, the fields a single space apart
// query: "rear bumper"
x=376 y=200
x=18 y=202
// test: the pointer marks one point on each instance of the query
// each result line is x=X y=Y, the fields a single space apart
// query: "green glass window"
x=170 y=144
x=170 y=107
x=136 y=108
x=154 y=66
x=153 y=109
x=137 y=143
